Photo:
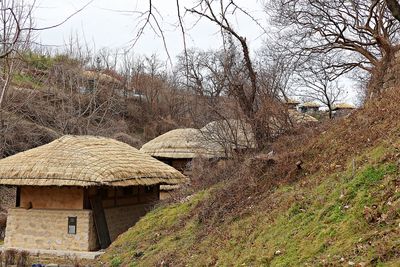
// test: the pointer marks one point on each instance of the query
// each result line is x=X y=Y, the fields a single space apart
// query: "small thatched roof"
x=224 y=135
x=177 y=144
x=291 y=101
x=103 y=77
x=310 y=105
x=299 y=118
x=343 y=106
x=85 y=161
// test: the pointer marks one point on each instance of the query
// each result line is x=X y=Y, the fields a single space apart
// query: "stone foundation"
x=47 y=229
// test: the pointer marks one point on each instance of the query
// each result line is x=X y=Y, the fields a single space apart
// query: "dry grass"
x=335 y=206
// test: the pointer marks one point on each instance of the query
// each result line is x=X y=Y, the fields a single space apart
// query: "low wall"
x=120 y=219
x=47 y=229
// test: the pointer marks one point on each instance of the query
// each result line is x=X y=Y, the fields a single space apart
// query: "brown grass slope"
x=341 y=208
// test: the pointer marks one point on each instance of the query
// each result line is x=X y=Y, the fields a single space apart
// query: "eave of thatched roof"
x=85 y=161
x=343 y=106
x=177 y=144
x=310 y=105
x=300 y=118
x=225 y=135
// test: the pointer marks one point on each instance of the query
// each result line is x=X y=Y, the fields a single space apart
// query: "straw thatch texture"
x=85 y=161
x=291 y=101
x=300 y=118
x=310 y=105
x=223 y=136
x=343 y=106
x=177 y=144
x=88 y=74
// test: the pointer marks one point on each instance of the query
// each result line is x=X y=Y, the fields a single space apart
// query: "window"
x=72 y=225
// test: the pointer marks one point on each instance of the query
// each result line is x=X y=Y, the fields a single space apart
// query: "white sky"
x=102 y=25
x=112 y=24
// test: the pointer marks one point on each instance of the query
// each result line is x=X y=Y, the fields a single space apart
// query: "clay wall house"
x=80 y=192
x=291 y=104
x=217 y=140
x=301 y=118
x=343 y=109
x=176 y=148
x=309 y=107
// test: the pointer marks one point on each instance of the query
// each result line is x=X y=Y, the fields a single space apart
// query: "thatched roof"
x=177 y=144
x=310 y=105
x=103 y=77
x=343 y=106
x=85 y=161
x=291 y=101
x=225 y=135
x=299 y=118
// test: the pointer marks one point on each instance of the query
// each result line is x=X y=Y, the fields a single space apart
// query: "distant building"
x=291 y=103
x=309 y=107
x=80 y=192
x=343 y=109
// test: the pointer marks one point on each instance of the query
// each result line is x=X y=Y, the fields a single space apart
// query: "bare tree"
x=362 y=34
x=242 y=81
x=317 y=84
x=15 y=32
x=394 y=8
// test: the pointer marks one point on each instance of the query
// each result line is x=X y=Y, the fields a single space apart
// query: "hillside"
x=341 y=209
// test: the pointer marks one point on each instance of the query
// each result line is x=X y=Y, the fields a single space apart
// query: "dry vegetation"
x=326 y=196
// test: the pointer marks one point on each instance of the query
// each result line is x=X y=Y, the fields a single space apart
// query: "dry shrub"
x=3 y=224
x=127 y=139
x=10 y=256
x=204 y=173
x=242 y=183
x=23 y=259
x=249 y=179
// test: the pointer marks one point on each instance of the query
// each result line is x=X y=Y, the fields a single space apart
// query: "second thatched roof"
x=310 y=105
x=222 y=136
x=343 y=106
x=300 y=118
x=85 y=161
x=178 y=144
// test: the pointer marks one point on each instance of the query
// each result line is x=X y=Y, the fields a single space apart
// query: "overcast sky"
x=112 y=24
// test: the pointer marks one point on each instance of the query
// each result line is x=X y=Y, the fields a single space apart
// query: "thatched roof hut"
x=177 y=144
x=343 y=106
x=310 y=105
x=299 y=118
x=222 y=136
x=98 y=187
x=85 y=161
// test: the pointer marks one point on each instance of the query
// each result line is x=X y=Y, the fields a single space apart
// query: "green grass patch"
x=26 y=81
